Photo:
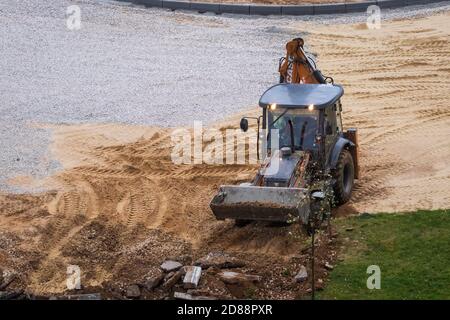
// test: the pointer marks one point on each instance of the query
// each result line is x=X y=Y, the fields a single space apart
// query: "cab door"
x=330 y=130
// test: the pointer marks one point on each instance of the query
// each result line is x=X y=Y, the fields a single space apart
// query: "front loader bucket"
x=261 y=203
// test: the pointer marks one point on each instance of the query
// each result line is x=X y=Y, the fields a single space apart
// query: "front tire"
x=344 y=176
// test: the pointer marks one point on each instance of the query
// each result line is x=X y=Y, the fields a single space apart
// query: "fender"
x=340 y=144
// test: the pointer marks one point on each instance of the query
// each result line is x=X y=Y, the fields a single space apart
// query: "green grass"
x=411 y=249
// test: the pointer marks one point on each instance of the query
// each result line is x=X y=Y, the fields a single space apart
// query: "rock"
x=151 y=282
x=1 y=276
x=219 y=260
x=133 y=292
x=302 y=275
x=173 y=280
x=328 y=266
x=170 y=265
x=187 y=296
x=230 y=277
x=192 y=277
x=7 y=280
x=168 y=276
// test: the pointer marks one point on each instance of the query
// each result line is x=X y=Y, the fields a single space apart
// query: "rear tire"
x=344 y=176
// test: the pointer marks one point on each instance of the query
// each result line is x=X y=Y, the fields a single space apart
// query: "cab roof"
x=288 y=95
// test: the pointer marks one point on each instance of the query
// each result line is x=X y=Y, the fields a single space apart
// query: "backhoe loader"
x=308 y=157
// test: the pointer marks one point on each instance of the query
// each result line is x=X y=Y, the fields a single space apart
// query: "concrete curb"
x=284 y=10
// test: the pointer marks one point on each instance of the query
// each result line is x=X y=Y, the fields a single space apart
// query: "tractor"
x=308 y=156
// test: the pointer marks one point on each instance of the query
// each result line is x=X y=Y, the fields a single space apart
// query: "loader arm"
x=296 y=67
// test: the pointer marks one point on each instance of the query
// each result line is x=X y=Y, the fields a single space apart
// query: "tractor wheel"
x=344 y=175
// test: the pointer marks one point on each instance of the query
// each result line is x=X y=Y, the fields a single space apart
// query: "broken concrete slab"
x=133 y=292
x=7 y=280
x=231 y=277
x=192 y=276
x=170 y=265
x=151 y=282
x=169 y=283
x=302 y=275
x=220 y=260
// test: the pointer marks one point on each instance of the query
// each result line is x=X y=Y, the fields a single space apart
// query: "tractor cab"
x=306 y=117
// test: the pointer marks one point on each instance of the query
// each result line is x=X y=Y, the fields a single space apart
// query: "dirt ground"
x=120 y=207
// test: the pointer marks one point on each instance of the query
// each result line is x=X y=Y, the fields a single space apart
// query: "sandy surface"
x=134 y=65
x=120 y=206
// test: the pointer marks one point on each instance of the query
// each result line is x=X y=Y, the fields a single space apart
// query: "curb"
x=280 y=10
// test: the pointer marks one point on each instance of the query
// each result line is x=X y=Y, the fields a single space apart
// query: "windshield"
x=304 y=122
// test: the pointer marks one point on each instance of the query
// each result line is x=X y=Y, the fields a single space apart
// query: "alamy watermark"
x=73 y=280
x=216 y=147
x=374 y=280
x=73 y=20
x=374 y=17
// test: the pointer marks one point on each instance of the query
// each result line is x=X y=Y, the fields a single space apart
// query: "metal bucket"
x=261 y=203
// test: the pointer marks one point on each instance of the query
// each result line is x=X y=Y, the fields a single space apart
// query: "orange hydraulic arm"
x=296 y=67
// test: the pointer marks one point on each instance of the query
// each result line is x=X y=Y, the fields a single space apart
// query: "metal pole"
x=257 y=140
x=313 y=284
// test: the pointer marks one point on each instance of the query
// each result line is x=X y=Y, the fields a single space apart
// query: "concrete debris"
x=231 y=277
x=220 y=260
x=302 y=275
x=133 y=291
x=7 y=280
x=168 y=276
x=170 y=265
x=192 y=277
x=173 y=280
x=151 y=282
x=328 y=266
